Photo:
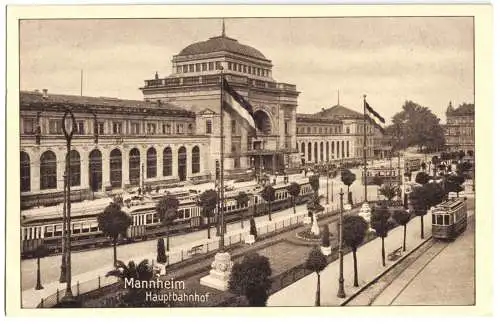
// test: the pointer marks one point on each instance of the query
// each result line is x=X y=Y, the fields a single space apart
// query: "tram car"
x=44 y=225
x=413 y=164
x=388 y=175
x=449 y=219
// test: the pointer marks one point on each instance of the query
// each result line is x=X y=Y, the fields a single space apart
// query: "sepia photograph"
x=257 y=161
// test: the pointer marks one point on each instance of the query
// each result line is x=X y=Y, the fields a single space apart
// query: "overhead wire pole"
x=221 y=187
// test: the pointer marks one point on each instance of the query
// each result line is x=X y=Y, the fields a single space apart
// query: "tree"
x=207 y=201
x=379 y=222
x=268 y=194
x=470 y=153
x=422 y=178
x=166 y=209
x=314 y=182
x=423 y=166
x=141 y=271
x=347 y=178
x=316 y=262
x=454 y=183
x=242 y=199
x=419 y=201
x=41 y=251
x=354 y=230
x=402 y=217
x=421 y=127
x=251 y=278
x=390 y=191
x=325 y=236
x=294 y=191
x=114 y=222
x=253 y=228
x=379 y=182
x=161 y=257
x=461 y=155
x=435 y=193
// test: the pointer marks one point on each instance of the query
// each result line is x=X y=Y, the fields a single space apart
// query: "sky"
x=428 y=60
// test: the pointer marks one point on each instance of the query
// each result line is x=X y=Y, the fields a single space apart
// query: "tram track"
x=386 y=288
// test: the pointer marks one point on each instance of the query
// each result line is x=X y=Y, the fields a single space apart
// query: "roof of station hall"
x=222 y=44
x=335 y=113
x=36 y=100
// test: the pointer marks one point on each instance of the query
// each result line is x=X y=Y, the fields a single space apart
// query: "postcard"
x=221 y=158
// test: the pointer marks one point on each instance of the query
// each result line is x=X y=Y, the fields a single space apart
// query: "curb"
x=380 y=275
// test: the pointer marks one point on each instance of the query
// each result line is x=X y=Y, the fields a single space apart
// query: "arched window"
x=316 y=152
x=195 y=160
x=303 y=148
x=321 y=152
x=134 y=166
x=347 y=148
x=115 y=168
x=75 y=171
x=151 y=163
x=327 y=151
x=167 y=162
x=48 y=170
x=343 y=150
x=309 y=157
x=182 y=163
x=25 y=172
x=95 y=170
x=338 y=149
x=333 y=150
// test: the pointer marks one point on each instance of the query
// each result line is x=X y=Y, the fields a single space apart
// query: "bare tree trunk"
x=114 y=251
x=404 y=237
x=168 y=240
x=207 y=215
x=294 y=205
x=383 y=252
x=354 y=256
x=318 y=302
x=269 y=207
x=422 y=227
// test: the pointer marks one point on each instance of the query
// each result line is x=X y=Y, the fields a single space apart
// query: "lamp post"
x=341 y=292
x=69 y=126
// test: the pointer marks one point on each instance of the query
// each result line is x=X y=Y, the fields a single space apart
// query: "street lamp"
x=68 y=127
x=341 y=292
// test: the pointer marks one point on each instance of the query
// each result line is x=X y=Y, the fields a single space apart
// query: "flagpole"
x=364 y=147
x=221 y=187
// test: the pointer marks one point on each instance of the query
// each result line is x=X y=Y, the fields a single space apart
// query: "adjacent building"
x=459 y=129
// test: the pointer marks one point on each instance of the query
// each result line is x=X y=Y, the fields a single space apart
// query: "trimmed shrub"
x=161 y=256
x=325 y=239
x=253 y=228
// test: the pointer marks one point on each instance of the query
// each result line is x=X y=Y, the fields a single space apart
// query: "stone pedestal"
x=250 y=239
x=347 y=207
x=219 y=274
x=326 y=250
x=365 y=211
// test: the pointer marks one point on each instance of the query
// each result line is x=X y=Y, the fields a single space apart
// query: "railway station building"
x=173 y=135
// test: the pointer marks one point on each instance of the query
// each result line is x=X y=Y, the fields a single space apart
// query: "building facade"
x=116 y=144
x=194 y=85
x=333 y=134
x=459 y=129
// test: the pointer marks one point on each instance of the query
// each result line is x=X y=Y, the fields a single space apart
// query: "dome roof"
x=222 y=43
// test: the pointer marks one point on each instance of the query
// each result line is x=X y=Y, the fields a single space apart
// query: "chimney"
x=45 y=93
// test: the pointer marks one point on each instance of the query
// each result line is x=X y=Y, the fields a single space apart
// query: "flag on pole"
x=235 y=102
x=374 y=117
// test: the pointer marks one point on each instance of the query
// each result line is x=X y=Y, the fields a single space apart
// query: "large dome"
x=222 y=43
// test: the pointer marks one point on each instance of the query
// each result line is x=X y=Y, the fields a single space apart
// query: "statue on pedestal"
x=220 y=272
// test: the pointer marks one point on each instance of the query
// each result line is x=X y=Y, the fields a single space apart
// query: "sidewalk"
x=31 y=297
x=302 y=292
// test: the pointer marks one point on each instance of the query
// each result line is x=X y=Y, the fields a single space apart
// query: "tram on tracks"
x=44 y=225
x=449 y=219
x=413 y=164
